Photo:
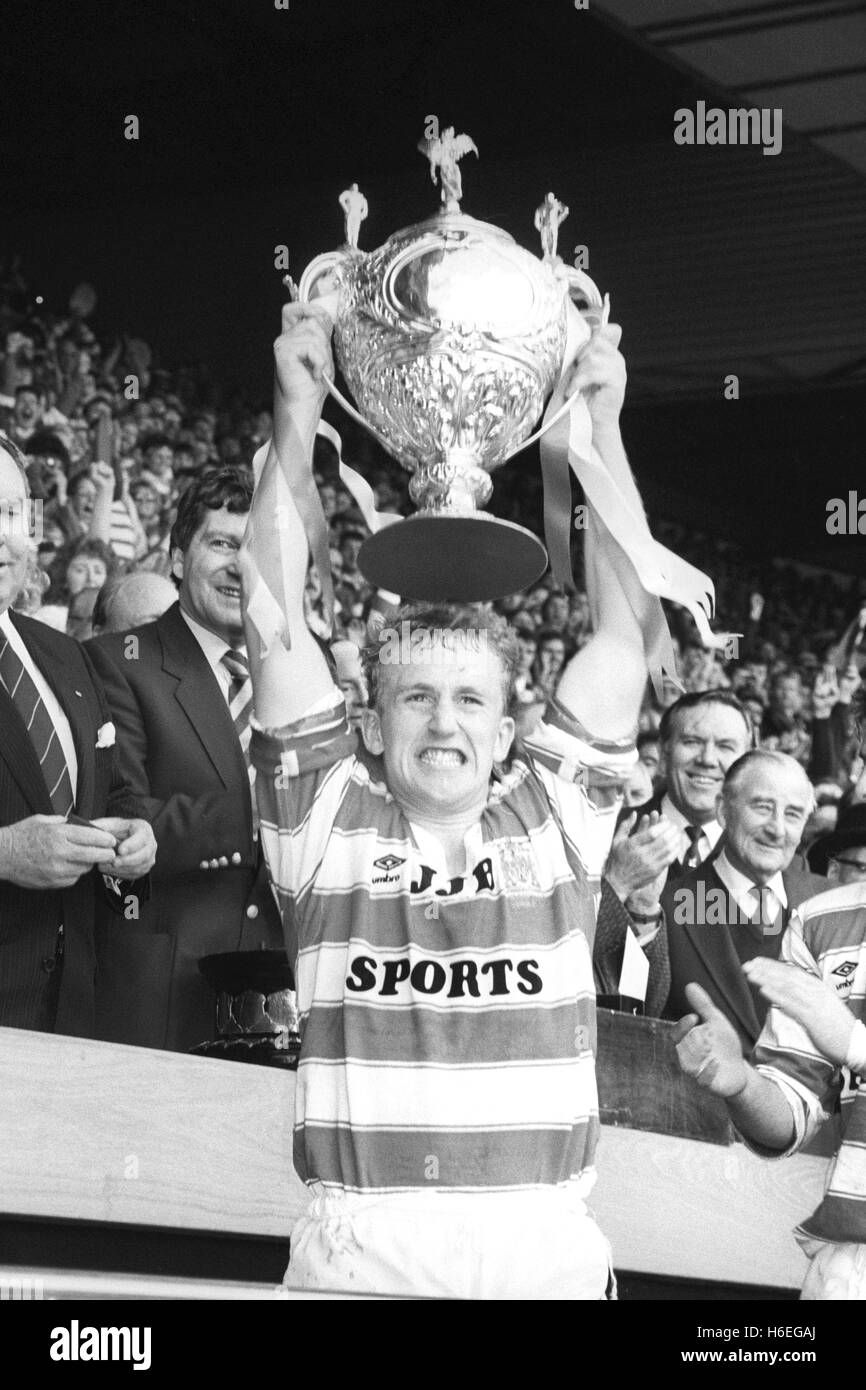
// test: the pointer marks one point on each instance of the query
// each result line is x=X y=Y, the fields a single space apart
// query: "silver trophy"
x=450 y=338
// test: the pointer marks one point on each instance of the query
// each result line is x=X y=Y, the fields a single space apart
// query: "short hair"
x=154 y=441
x=693 y=700
x=47 y=444
x=92 y=547
x=785 y=673
x=748 y=692
x=352 y=533
x=439 y=617
x=89 y=546
x=139 y=484
x=550 y=634
x=230 y=487
x=17 y=458
x=551 y=598
x=647 y=736
x=738 y=769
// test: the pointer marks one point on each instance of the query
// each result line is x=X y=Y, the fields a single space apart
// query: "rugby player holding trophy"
x=446 y=1108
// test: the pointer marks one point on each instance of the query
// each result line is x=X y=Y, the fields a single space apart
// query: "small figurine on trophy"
x=354 y=206
x=548 y=219
x=443 y=154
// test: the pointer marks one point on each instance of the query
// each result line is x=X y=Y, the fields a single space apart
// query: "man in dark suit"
x=180 y=696
x=57 y=760
x=736 y=904
x=701 y=735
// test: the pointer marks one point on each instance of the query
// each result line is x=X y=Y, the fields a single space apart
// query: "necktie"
x=241 y=706
x=768 y=911
x=692 y=857
x=41 y=731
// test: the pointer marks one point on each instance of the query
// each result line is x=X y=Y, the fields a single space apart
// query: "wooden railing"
x=128 y=1137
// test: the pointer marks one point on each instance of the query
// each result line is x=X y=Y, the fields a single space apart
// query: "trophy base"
x=456 y=559
x=257 y=1011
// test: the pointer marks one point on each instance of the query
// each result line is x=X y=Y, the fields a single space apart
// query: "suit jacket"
x=35 y=992
x=612 y=925
x=707 y=954
x=180 y=752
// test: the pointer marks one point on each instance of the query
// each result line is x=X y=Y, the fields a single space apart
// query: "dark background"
x=253 y=120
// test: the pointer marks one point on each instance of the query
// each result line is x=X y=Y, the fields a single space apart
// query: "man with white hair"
x=736 y=905
x=65 y=810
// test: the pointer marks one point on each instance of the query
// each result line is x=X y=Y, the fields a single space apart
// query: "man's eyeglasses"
x=852 y=864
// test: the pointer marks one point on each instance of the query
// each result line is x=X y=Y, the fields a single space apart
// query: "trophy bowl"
x=450 y=338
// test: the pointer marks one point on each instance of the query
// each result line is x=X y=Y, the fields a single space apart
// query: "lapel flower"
x=106 y=735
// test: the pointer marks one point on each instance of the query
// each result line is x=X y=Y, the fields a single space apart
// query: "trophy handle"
x=579 y=283
x=596 y=315
x=330 y=263
x=355 y=414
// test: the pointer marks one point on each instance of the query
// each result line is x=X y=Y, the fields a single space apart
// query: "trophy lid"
x=454 y=272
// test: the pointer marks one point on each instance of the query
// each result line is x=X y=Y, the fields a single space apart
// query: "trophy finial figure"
x=548 y=218
x=355 y=209
x=443 y=153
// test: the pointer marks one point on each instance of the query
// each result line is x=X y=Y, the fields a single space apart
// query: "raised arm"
x=603 y=685
x=100 y=522
x=288 y=680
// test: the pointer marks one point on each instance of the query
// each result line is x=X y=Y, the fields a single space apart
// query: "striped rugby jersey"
x=827 y=937
x=448 y=1024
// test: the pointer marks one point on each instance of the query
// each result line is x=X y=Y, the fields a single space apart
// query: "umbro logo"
x=388 y=862
x=846 y=969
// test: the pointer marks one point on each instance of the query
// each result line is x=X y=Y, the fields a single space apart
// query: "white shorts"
x=836 y=1272
x=522 y=1245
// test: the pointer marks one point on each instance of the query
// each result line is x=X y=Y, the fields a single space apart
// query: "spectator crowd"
x=112 y=440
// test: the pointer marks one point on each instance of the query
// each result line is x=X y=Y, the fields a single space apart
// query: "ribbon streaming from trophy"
x=451 y=337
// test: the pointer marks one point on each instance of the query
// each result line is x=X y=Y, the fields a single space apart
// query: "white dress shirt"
x=49 y=699
x=710 y=832
x=740 y=888
x=214 y=649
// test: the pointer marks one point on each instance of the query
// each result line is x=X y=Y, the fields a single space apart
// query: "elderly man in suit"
x=64 y=811
x=735 y=906
x=180 y=695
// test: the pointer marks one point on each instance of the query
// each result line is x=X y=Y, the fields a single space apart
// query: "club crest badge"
x=517 y=865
